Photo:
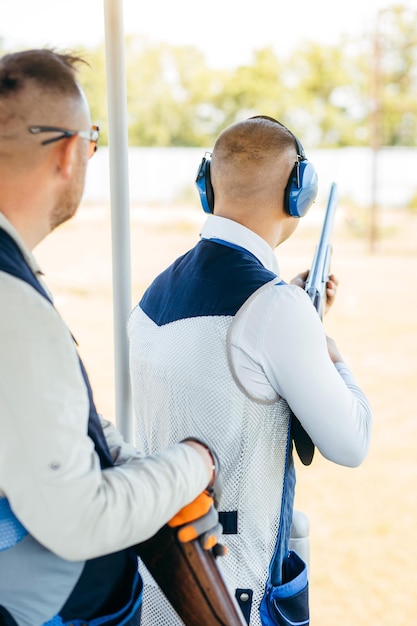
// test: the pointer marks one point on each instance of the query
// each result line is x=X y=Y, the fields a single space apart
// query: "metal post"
x=119 y=195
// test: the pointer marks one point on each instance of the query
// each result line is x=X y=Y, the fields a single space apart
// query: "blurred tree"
x=168 y=88
x=395 y=76
x=255 y=89
x=327 y=91
x=93 y=80
x=322 y=92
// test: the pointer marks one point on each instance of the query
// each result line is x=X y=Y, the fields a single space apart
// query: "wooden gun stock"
x=190 y=579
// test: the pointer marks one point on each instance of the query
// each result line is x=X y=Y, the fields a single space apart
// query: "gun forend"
x=190 y=579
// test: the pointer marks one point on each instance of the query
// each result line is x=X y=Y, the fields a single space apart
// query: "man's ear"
x=66 y=155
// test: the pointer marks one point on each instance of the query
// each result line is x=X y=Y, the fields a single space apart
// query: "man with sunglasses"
x=74 y=497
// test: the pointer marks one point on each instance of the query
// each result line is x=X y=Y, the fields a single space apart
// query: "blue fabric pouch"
x=11 y=530
x=287 y=604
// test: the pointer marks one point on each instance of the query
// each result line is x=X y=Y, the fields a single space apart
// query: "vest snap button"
x=244 y=597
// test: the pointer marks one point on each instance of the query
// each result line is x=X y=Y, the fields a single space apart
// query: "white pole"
x=119 y=196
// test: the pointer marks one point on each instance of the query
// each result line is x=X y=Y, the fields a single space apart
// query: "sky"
x=226 y=31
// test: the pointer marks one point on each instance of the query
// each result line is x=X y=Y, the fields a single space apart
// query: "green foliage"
x=252 y=90
x=354 y=93
x=93 y=80
x=167 y=87
x=397 y=34
x=325 y=80
x=412 y=205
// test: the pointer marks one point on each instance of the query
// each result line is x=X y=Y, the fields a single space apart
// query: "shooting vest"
x=35 y=583
x=184 y=385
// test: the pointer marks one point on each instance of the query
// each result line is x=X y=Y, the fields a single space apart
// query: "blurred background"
x=343 y=78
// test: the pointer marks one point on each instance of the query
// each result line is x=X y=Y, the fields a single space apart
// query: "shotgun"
x=316 y=288
x=189 y=577
x=320 y=269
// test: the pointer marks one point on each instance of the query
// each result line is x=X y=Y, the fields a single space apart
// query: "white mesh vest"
x=183 y=386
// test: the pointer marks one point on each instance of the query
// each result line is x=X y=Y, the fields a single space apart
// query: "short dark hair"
x=49 y=69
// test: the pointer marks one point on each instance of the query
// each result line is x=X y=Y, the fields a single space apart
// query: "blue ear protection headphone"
x=204 y=186
x=300 y=191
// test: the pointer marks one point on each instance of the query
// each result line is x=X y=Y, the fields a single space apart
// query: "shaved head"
x=252 y=161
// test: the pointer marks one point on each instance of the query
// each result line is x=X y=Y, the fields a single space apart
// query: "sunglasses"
x=92 y=135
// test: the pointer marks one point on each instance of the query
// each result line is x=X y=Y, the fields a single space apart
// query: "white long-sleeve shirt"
x=49 y=470
x=278 y=348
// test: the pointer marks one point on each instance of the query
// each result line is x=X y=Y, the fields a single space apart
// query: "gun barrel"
x=329 y=217
x=315 y=288
x=320 y=267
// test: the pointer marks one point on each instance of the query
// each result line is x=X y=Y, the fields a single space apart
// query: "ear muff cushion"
x=204 y=186
x=301 y=189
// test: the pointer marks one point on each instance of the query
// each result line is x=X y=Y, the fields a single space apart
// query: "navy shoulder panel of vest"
x=14 y=263
x=210 y=280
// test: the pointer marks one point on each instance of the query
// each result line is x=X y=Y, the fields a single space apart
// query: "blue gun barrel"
x=320 y=269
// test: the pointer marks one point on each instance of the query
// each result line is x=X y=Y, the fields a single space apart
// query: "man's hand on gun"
x=199 y=519
x=181 y=556
x=331 y=287
x=331 y=290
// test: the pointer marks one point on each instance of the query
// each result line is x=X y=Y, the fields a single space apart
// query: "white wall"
x=163 y=175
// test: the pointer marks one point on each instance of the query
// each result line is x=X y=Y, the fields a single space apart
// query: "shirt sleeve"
x=120 y=450
x=49 y=470
x=280 y=348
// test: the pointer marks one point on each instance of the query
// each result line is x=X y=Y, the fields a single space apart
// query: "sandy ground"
x=363 y=520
